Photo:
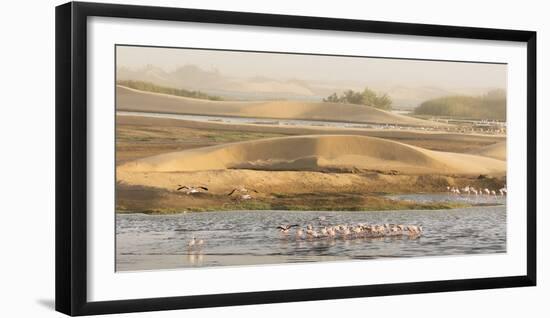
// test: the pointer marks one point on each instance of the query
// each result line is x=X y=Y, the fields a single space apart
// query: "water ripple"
x=477 y=230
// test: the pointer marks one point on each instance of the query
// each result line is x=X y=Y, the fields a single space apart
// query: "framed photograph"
x=210 y=158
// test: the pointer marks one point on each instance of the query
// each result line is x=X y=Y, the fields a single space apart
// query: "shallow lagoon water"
x=146 y=242
x=262 y=121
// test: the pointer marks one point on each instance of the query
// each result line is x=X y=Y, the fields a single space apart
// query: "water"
x=250 y=237
x=264 y=121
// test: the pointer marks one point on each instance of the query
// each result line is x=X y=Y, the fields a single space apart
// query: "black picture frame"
x=71 y=157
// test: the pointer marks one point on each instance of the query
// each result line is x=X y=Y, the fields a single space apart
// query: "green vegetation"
x=367 y=97
x=490 y=106
x=172 y=136
x=150 y=87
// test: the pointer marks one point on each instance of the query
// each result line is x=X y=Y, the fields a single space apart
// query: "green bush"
x=368 y=97
x=489 y=106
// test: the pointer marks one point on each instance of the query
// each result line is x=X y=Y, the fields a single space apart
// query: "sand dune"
x=319 y=153
x=134 y=100
x=497 y=151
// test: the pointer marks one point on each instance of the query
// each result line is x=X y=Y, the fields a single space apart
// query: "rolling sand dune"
x=134 y=100
x=331 y=153
x=497 y=151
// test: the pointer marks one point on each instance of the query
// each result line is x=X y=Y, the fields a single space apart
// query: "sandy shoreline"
x=283 y=190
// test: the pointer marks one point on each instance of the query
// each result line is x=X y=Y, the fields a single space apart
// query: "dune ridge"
x=129 y=99
x=338 y=153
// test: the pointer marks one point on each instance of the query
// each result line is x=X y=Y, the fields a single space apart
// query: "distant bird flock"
x=469 y=190
x=345 y=231
x=243 y=193
x=340 y=231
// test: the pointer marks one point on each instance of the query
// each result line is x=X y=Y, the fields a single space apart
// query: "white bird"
x=312 y=233
x=414 y=230
x=346 y=232
x=395 y=230
x=244 y=193
x=285 y=228
x=241 y=190
x=486 y=191
x=192 y=190
x=192 y=242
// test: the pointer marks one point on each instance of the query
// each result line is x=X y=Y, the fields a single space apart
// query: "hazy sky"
x=323 y=68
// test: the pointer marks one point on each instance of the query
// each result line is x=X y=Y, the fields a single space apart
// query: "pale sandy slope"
x=497 y=151
x=319 y=153
x=134 y=100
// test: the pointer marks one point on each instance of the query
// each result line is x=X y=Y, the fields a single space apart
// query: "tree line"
x=150 y=87
x=491 y=105
x=367 y=97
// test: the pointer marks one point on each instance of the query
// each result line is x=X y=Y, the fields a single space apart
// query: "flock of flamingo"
x=340 y=231
x=345 y=231
x=471 y=190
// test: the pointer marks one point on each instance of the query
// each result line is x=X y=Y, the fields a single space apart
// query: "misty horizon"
x=282 y=75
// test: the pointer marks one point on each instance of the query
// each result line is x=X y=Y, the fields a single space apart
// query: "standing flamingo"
x=192 y=243
x=299 y=233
